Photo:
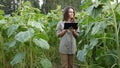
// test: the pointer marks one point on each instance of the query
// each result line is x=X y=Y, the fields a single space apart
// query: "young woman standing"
x=67 y=37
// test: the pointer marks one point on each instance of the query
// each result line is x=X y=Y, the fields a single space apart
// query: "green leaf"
x=12 y=43
x=107 y=60
x=95 y=66
x=36 y=25
x=99 y=26
x=31 y=32
x=1 y=17
x=24 y=36
x=46 y=63
x=12 y=29
x=89 y=9
x=3 y=22
x=81 y=55
x=85 y=3
x=1 y=12
x=44 y=36
x=53 y=24
x=117 y=17
x=88 y=28
x=93 y=42
x=27 y=3
x=18 y=58
x=105 y=1
x=97 y=9
x=41 y=43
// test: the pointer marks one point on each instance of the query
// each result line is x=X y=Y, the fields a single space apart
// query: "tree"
x=52 y=4
x=11 y=5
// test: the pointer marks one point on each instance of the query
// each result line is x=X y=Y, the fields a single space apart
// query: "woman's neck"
x=69 y=20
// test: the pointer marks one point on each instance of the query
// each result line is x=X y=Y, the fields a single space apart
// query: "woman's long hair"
x=66 y=15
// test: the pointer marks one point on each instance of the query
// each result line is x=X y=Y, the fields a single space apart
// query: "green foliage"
x=1 y=12
x=20 y=35
x=36 y=25
x=28 y=38
x=104 y=1
x=11 y=43
x=46 y=63
x=41 y=43
x=12 y=29
x=25 y=36
x=97 y=9
x=98 y=27
x=2 y=22
x=82 y=53
x=99 y=21
x=85 y=3
x=18 y=58
x=107 y=60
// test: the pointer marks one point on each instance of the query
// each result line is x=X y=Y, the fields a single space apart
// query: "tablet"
x=69 y=25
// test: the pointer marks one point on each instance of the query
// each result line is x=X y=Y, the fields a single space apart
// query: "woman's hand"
x=64 y=30
x=75 y=34
x=72 y=30
x=62 y=33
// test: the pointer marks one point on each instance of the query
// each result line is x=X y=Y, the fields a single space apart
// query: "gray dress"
x=67 y=41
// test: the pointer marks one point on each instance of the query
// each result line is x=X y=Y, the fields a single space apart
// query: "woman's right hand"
x=62 y=32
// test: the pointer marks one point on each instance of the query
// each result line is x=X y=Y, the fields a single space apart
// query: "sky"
x=40 y=2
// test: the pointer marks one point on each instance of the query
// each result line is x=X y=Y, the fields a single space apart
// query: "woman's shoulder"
x=61 y=22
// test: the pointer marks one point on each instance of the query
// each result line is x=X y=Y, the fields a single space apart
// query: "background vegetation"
x=28 y=37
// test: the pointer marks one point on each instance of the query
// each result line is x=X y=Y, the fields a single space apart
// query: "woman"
x=68 y=37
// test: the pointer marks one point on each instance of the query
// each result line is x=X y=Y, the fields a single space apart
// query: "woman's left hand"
x=75 y=34
x=72 y=30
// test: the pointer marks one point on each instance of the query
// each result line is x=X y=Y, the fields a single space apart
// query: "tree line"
x=10 y=6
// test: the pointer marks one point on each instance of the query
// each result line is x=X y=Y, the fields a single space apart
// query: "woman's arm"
x=60 y=34
x=75 y=34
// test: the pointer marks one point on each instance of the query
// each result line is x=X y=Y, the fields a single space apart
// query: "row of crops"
x=28 y=37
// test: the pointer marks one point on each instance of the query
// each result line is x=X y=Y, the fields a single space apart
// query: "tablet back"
x=69 y=25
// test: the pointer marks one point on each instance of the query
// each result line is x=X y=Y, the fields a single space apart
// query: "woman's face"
x=71 y=13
